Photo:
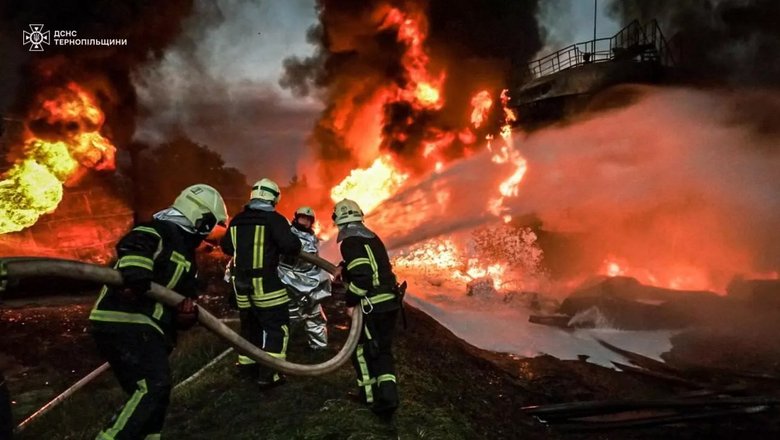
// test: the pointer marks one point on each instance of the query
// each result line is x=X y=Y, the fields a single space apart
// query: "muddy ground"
x=450 y=389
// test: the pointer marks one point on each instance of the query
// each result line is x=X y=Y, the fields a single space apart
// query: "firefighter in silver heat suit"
x=307 y=284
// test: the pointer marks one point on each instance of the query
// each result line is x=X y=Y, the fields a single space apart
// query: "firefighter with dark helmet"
x=134 y=332
x=256 y=238
x=307 y=284
x=372 y=289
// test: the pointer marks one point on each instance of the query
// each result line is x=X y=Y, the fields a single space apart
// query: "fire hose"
x=24 y=267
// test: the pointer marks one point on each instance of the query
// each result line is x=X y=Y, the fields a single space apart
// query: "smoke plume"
x=103 y=70
x=216 y=83
x=378 y=62
x=717 y=40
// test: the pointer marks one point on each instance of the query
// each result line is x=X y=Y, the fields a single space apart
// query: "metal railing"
x=633 y=42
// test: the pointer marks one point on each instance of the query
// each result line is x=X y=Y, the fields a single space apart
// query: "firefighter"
x=307 y=284
x=256 y=238
x=134 y=332
x=372 y=289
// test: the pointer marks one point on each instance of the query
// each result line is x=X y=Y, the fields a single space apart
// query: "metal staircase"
x=637 y=43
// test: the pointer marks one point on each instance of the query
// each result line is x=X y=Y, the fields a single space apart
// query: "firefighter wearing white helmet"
x=266 y=189
x=256 y=238
x=202 y=206
x=347 y=211
x=373 y=290
x=307 y=284
x=134 y=332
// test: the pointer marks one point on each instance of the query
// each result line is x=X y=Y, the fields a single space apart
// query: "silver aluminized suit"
x=307 y=286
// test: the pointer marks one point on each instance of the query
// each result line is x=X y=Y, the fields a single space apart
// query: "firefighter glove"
x=187 y=314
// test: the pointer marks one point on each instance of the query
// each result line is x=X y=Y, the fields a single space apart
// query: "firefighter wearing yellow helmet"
x=134 y=332
x=256 y=238
x=373 y=290
x=307 y=284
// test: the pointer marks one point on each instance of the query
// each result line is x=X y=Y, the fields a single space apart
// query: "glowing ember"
x=371 y=186
x=33 y=185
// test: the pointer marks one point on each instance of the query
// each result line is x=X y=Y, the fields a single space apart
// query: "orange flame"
x=33 y=185
x=505 y=153
x=371 y=186
x=443 y=258
x=482 y=104
x=675 y=276
x=508 y=255
x=423 y=88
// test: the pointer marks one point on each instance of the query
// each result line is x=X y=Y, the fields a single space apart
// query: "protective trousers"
x=6 y=420
x=267 y=328
x=315 y=323
x=139 y=360
x=374 y=363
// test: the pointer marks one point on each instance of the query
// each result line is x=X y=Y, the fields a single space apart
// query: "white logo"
x=36 y=38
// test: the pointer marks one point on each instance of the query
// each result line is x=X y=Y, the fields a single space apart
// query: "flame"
x=428 y=95
x=503 y=153
x=676 y=276
x=442 y=257
x=510 y=256
x=74 y=104
x=482 y=104
x=423 y=88
x=33 y=185
x=371 y=186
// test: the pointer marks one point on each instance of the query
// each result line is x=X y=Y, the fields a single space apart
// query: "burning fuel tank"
x=564 y=82
x=59 y=194
x=86 y=225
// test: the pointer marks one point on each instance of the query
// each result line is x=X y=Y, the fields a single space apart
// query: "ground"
x=450 y=390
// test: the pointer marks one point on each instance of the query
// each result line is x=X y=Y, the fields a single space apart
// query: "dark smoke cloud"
x=215 y=84
x=479 y=45
x=735 y=41
x=251 y=127
x=105 y=70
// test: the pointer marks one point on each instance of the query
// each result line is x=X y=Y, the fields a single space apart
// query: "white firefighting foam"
x=501 y=327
